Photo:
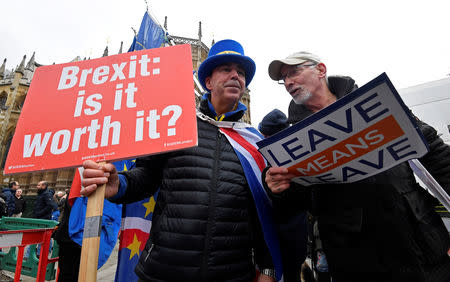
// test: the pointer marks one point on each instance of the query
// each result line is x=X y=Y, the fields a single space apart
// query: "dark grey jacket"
x=8 y=195
x=383 y=228
x=44 y=205
x=205 y=225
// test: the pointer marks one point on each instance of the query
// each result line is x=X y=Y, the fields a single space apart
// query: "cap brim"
x=276 y=65
x=211 y=63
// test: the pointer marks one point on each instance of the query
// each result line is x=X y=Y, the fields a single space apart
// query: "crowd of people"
x=208 y=224
x=47 y=205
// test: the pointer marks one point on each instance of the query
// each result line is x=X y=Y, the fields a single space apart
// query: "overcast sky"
x=409 y=40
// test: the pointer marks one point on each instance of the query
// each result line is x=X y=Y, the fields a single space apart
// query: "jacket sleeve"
x=11 y=203
x=143 y=180
x=24 y=205
x=289 y=203
x=437 y=160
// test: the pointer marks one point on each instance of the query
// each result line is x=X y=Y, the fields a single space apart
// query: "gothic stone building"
x=14 y=85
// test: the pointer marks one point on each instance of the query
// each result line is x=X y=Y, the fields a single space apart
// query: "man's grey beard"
x=303 y=97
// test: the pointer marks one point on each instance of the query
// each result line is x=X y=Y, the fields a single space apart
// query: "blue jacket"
x=9 y=199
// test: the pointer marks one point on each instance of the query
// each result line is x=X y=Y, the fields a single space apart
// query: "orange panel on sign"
x=367 y=140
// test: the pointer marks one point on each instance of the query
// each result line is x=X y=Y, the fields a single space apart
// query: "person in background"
x=382 y=228
x=44 y=205
x=58 y=197
x=20 y=203
x=9 y=196
x=292 y=224
x=69 y=251
x=3 y=206
x=272 y=123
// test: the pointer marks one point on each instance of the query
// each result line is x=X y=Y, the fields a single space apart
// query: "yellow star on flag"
x=149 y=206
x=125 y=165
x=134 y=247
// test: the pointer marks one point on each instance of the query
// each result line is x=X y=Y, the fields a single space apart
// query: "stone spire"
x=21 y=67
x=165 y=22
x=199 y=31
x=121 y=46
x=105 y=53
x=30 y=64
x=2 y=69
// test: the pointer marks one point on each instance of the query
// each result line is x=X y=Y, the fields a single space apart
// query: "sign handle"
x=91 y=235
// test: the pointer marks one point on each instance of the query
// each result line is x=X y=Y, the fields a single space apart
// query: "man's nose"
x=234 y=73
x=288 y=83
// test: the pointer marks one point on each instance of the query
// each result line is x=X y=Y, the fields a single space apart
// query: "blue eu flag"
x=150 y=35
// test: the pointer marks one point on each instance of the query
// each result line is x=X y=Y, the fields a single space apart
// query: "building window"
x=8 y=144
x=3 y=98
x=18 y=106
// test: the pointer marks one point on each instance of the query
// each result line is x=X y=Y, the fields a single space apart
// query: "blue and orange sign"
x=362 y=134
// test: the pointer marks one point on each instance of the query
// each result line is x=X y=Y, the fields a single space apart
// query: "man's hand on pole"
x=95 y=174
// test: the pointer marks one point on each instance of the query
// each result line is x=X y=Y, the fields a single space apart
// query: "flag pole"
x=172 y=43
x=430 y=182
x=91 y=235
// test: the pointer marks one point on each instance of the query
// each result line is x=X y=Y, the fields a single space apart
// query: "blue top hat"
x=226 y=51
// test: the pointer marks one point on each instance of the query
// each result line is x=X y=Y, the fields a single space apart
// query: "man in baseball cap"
x=384 y=221
x=298 y=58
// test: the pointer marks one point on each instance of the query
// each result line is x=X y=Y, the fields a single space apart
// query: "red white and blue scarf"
x=243 y=138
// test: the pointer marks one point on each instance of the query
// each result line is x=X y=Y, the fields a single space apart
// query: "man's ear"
x=208 y=83
x=322 y=70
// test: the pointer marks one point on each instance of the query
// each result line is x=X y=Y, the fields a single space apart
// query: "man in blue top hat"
x=205 y=224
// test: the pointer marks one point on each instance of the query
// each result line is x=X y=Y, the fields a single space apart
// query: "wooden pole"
x=91 y=236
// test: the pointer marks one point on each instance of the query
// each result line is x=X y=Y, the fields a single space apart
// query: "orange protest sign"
x=111 y=108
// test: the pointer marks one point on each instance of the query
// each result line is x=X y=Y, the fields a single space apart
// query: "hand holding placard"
x=97 y=174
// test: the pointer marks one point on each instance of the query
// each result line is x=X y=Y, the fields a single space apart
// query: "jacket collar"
x=207 y=108
x=42 y=191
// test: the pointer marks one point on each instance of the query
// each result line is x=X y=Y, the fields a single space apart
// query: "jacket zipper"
x=212 y=200
x=149 y=251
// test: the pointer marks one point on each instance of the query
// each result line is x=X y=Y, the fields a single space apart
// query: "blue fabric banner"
x=150 y=35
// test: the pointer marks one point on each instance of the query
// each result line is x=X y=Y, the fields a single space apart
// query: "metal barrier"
x=20 y=232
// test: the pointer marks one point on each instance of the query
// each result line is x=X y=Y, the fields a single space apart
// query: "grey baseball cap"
x=292 y=60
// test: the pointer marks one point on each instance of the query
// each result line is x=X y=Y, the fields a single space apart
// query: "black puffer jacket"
x=204 y=224
x=383 y=228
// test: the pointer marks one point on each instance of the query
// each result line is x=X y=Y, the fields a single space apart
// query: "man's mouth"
x=295 y=91
x=233 y=84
